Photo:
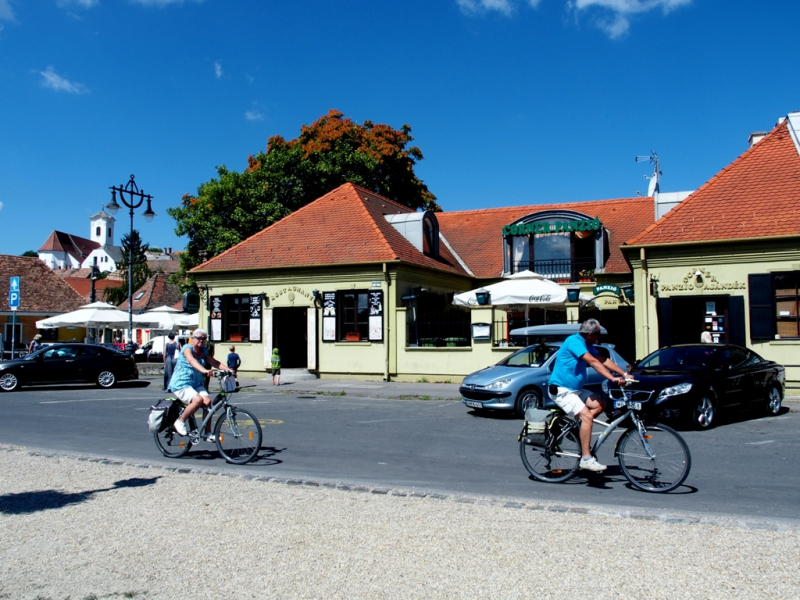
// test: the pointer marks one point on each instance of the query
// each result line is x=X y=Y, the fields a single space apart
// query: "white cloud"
x=6 y=14
x=81 y=3
x=160 y=2
x=54 y=81
x=254 y=115
x=611 y=16
x=1 y=206
x=217 y=70
x=475 y=6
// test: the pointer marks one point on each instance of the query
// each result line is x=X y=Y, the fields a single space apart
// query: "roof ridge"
x=539 y=206
x=386 y=243
x=688 y=201
x=359 y=187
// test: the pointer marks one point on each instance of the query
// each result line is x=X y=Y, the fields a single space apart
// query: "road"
x=744 y=467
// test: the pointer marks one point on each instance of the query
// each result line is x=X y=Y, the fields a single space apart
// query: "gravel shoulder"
x=75 y=527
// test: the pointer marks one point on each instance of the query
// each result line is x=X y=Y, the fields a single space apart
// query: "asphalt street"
x=744 y=467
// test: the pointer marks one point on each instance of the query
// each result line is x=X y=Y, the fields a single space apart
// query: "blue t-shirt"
x=234 y=361
x=185 y=375
x=569 y=370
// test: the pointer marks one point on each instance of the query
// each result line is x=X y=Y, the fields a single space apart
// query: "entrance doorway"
x=289 y=327
x=682 y=319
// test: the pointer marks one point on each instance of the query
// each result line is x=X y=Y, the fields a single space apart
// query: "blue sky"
x=511 y=101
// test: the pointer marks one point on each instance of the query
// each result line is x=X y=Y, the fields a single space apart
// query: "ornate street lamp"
x=135 y=199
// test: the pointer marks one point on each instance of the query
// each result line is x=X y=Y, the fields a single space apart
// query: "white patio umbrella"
x=165 y=316
x=520 y=289
x=95 y=315
x=185 y=320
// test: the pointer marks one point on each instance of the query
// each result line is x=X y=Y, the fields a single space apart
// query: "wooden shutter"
x=761 y=299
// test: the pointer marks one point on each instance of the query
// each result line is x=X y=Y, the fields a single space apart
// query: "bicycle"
x=237 y=431
x=652 y=456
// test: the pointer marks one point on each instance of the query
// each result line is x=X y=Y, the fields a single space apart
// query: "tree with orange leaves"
x=331 y=151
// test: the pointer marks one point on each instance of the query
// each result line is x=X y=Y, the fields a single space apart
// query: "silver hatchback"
x=520 y=379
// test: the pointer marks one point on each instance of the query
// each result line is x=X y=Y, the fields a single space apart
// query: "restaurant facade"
x=727 y=259
x=355 y=285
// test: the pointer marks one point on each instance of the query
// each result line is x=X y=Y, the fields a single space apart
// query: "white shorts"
x=571 y=401
x=186 y=394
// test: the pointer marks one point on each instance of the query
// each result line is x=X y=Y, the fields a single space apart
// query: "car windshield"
x=679 y=358
x=532 y=356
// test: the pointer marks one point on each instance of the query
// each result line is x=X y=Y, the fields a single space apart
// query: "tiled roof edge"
x=675 y=211
x=455 y=255
x=540 y=207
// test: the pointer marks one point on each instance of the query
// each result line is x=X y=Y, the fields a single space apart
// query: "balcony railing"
x=562 y=270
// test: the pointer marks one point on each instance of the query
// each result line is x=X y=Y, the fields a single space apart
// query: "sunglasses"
x=202 y=338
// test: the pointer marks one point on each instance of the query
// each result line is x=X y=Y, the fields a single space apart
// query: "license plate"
x=474 y=404
x=619 y=403
x=635 y=405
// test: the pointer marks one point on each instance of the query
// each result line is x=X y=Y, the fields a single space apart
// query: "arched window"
x=430 y=236
x=97 y=232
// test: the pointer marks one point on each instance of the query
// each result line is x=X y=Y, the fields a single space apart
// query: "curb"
x=641 y=514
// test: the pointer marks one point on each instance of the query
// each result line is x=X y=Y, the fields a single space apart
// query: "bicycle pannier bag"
x=537 y=425
x=163 y=415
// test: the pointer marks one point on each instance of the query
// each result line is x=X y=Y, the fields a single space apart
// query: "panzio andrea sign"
x=555 y=227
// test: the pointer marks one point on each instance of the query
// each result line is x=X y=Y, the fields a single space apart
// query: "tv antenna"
x=653 y=188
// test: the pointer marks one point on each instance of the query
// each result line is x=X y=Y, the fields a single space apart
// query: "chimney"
x=756 y=137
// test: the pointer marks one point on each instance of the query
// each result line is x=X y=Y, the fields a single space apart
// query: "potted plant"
x=352 y=336
x=586 y=275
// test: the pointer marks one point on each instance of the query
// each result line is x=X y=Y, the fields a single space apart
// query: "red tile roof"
x=77 y=247
x=476 y=235
x=345 y=226
x=41 y=290
x=757 y=195
x=83 y=285
x=157 y=291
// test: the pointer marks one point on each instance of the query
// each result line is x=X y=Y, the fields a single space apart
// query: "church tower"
x=102 y=228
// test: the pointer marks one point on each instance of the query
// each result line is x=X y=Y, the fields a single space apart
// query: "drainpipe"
x=645 y=304
x=387 y=321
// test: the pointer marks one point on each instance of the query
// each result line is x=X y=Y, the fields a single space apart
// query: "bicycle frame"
x=609 y=427
x=220 y=401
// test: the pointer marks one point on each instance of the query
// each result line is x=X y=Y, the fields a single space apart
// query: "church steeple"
x=102 y=228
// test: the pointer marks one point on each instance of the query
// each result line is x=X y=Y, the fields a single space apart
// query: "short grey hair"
x=199 y=331
x=589 y=326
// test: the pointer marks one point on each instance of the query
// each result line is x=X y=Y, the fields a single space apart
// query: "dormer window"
x=430 y=236
x=419 y=228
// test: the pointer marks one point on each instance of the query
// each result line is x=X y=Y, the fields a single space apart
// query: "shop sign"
x=701 y=280
x=191 y=302
x=606 y=287
x=555 y=227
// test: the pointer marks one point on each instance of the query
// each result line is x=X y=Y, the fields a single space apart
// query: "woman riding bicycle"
x=187 y=380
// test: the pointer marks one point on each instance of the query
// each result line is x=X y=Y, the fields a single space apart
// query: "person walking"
x=234 y=362
x=171 y=350
x=36 y=343
x=276 y=367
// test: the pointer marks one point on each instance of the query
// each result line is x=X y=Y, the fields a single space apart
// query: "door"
x=57 y=364
x=289 y=336
x=734 y=381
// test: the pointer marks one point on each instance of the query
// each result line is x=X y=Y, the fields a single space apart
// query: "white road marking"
x=760 y=443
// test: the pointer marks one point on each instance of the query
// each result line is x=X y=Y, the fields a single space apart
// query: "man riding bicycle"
x=193 y=362
x=568 y=378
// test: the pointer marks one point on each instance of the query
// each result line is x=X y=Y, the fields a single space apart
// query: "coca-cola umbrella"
x=518 y=290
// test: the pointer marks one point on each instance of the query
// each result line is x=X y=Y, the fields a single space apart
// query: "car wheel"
x=8 y=382
x=106 y=379
x=529 y=397
x=774 y=401
x=704 y=415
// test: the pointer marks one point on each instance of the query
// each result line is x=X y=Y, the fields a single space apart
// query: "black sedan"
x=695 y=382
x=67 y=363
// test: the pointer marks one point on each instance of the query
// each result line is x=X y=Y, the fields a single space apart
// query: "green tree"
x=133 y=253
x=32 y=253
x=331 y=151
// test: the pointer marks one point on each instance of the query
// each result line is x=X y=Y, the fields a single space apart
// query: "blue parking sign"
x=13 y=293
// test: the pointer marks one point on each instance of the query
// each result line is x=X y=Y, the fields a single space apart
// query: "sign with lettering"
x=555 y=227
x=328 y=316
x=375 y=302
x=13 y=293
x=607 y=288
x=191 y=302
x=255 y=318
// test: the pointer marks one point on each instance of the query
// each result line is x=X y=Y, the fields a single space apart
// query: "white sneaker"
x=180 y=427
x=591 y=464
x=210 y=438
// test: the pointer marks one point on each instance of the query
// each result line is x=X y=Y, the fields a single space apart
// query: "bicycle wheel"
x=171 y=444
x=238 y=435
x=555 y=464
x=660 y=470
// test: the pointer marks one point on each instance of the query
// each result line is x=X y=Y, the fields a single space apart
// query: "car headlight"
x=498 y=385
x=675 y=390
x=604 y=386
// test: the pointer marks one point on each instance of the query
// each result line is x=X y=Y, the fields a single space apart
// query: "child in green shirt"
x=276 y=367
